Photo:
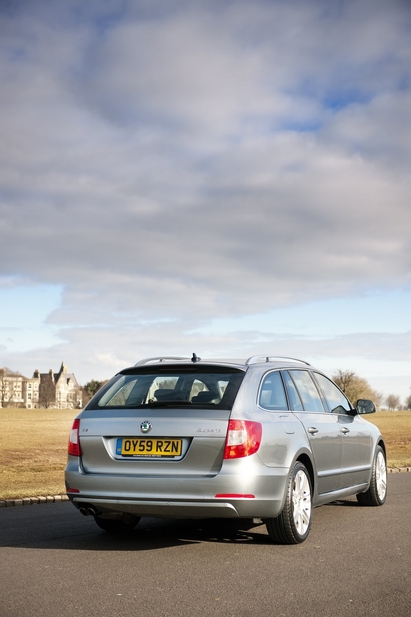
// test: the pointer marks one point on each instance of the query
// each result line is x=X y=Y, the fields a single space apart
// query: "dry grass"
x=33 y=448
x=33 y=451
x=396 y=429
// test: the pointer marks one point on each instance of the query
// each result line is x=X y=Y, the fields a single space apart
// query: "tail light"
x=74 y=441
x=243 y=438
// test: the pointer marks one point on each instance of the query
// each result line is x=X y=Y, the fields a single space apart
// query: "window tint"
x=293 y=396
x=272 y=395
x=335 y=398
x=307 y=390
x=119 y=393
x=164 y=388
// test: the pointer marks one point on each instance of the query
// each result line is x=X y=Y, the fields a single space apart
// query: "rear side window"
x=307 y=390
x=336 y=400
x=272 y=394
x=293 y=396
x=170 y=387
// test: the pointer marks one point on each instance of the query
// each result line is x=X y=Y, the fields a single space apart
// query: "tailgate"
x=156 y=442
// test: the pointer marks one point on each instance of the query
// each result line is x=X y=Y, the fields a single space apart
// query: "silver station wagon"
x=268 y=438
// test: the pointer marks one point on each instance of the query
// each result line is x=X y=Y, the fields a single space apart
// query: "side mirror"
x=363 y=406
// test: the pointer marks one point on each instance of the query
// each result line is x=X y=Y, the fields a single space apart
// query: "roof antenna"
x=195 y=358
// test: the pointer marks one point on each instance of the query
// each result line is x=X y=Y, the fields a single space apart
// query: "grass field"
x=33 y=451
x=396 y=429
x=33 y=448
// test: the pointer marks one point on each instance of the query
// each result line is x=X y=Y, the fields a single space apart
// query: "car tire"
x=293 y=525
x=117 y=525
x=377 y=492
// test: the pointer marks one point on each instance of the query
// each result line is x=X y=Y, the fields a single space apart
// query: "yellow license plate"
x=130 y=446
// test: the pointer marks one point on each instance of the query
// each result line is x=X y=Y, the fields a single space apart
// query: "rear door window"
x=293 y=396
x=307 y=390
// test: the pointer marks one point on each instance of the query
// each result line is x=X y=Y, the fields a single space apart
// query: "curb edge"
x=33 y=501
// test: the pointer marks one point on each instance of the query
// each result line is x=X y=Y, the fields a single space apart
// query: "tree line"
x=353 y=386
x=90 y=389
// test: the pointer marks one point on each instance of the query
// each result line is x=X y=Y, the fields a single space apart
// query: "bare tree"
x=408 y=402
x=4 y=388
x=393 y=402
x=85 y=397
x=345 y=380
x=355 y=387
x=378 y=398
x=47 y=391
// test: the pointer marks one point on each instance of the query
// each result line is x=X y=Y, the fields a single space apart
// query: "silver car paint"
x=187 y=487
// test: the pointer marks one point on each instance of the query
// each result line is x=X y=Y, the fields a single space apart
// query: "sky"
x=224 y=177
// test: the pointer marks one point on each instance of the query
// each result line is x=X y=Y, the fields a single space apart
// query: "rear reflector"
x=234 y=496
x=72 y=490
x=74 y=441
x=243 y=438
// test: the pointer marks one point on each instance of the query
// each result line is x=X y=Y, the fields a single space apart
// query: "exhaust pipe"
x=87 y=510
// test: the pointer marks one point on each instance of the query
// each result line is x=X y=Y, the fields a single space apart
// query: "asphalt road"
x=356 y=562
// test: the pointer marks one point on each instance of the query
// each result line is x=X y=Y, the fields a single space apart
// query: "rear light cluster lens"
x=243 y=438
x=74 y=441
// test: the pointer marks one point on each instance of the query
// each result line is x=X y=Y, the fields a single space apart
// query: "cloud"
x=98 y=352
x=167 y=164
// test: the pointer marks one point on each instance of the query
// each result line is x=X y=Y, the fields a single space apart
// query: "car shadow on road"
x=352 y=503
x=63 y=529
x=150 y=534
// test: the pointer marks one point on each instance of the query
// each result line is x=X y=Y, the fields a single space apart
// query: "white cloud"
x=170 y=164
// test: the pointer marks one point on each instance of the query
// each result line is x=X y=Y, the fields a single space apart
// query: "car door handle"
x=345 y=430
x=312 y=430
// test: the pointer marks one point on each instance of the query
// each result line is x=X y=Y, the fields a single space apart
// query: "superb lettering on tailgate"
x=209 y=430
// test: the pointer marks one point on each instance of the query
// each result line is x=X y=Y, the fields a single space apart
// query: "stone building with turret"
x=58 y=390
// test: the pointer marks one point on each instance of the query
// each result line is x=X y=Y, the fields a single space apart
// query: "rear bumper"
x=163 y=509
x=189 y=497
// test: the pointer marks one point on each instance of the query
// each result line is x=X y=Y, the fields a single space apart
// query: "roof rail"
x=258 y=359
x=161 y=359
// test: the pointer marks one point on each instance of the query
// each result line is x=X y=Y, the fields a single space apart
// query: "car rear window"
x=165 y=386
x=272 y=394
